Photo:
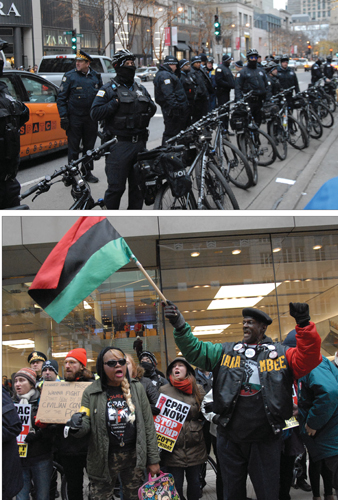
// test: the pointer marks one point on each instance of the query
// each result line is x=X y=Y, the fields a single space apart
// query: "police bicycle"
x=71 y=176
x=306 y=115
x=318 y=106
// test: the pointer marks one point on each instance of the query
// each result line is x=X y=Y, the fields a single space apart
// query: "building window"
x=189 y=14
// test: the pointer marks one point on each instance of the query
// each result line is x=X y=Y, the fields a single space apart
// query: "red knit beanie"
x=27 y=373
x=79 y=354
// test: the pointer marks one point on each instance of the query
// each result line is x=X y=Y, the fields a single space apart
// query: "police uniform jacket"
x=13 y=114
x=287 y=78
x=328 y=70
x=77 y=92
x=316 y=73
x=169 y=91
x=252 y=79
x=276 y=86
x=189 y=85
x=126 y=111
x=224 y=80
x=204 y=87
x=275 y=375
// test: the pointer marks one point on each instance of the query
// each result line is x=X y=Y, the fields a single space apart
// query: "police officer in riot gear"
x=211 y=72
x=126 y=109
x=287 y=77
x=189 y=86
x=203 y=91
x=225 y=82
x=255 y=79
x=13 y=114
x=171 y=96
x=272 y=73
x=77 y=92
x=328 y=69
x=317 y=70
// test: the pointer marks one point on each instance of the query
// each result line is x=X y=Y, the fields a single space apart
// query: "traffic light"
x=331 y=50
x=74 y=41
x=217 y=26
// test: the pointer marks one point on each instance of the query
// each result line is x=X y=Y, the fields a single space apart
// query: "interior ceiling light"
x=19 y=344
x=317 y=247
x=59 y=354
x=277 y=249
x=236 y=252
x=239 y=296
x=194 y=254
x=205 y=329
x=233 y=303
x=86 y=305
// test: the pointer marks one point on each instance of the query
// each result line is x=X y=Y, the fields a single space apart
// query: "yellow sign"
x=292 y=422
x=23 y=448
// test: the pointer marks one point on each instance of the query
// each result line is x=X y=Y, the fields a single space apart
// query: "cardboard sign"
x=24 y=412
x=59 y=401
x=169 y=422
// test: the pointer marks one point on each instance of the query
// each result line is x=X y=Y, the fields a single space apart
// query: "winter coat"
x=318 y=408
x=169 y=91
x=190 y=446
x=94 y=403
x=12 y=480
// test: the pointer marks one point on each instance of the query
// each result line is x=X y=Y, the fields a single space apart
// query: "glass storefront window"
x=99 y=321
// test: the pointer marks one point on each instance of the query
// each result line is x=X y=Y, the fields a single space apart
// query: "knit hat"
x=183 y=62
x=79 y=354
x=52 y=365
x=290 y=340
x=27 y=373
x=239 y=64
x=149 y=355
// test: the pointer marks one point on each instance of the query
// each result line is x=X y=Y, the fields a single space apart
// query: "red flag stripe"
x=50 y=271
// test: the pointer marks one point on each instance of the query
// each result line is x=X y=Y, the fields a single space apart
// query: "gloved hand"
x=209 y=407
x=155 y=410
x=215 y=419
x=172 y=313
x=75 y=423
x=31 y=437
x=64 y=123
x=39 y=424
x=300 y=311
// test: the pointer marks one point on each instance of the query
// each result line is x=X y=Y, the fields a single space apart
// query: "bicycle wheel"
x=247 y=148
x=277 y=133
x=217 y=192
x=237 y=166
x=55 y=479
x=325 y=115
x=312 y=124
x=298 y=137
x=208 y=477
x=267 y=152
x=164 y=200
x=330 y=103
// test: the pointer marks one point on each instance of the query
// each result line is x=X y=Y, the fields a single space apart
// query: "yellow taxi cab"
x=308 y=65
x=42 y=133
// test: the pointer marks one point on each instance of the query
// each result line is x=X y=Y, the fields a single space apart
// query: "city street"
x=276 y=188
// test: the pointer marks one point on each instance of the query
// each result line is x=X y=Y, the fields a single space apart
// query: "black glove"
x=75 y=423
x=300 y=311
x=172 y=313
x=64 y=123
x=155 y=410
x=209 y=407
x=31 y=437
x=215 y=419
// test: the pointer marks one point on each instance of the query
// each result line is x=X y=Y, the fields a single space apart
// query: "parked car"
x=307 y=65
x=292 y=64
x=42 y=133
x=54 y=67
x=146 y=74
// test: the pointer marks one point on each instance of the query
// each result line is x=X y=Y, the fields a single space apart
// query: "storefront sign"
x=56 y=38
x=17 y=13
x=169 y=422
x=24 y=412
x=59 y=401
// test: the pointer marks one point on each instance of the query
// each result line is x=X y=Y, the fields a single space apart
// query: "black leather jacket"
x=276 y=383
x=287 y=78
x=77 y=92
x=224 y=80
x=276 y=86
x=252 y=79
x=125 y=111
x=169 y=91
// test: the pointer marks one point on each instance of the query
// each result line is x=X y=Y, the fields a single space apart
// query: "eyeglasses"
x=112 y=362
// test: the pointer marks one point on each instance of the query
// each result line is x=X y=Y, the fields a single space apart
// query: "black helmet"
x=284 y=57
x=329 y=58
x=321 y=59
x=170 y=60
x=251 y=52
x=226 y=58
x=210 y=59
x=121 y=56
x=196 y=59
x=271 y=65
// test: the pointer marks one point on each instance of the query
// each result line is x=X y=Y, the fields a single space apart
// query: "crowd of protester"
x=240 y=395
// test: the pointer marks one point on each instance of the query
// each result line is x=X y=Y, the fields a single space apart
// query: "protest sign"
x=24 y=412
x=169 y=422
x=59 y=401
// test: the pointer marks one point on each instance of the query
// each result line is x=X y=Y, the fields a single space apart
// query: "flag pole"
x=141 y=268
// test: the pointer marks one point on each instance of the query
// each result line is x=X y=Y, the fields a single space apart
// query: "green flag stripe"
x=106 y=261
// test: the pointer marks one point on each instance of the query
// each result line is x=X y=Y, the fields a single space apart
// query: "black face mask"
x=148 y=367
x=252 y=64
x=126 y=75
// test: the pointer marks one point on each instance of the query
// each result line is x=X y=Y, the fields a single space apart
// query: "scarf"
x=182 y=385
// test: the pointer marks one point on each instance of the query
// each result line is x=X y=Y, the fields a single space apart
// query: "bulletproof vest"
x=134 y=110
x=10 y=111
